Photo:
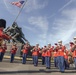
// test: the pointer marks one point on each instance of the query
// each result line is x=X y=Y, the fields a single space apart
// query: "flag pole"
x=20 y=10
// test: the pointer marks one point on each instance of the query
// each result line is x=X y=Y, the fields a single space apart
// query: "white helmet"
x=59 y=41
x=74 y=38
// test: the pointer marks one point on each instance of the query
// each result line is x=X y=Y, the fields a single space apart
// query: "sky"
x=43 y=21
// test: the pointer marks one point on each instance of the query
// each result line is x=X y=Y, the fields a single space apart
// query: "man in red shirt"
x=73 y=49
x=70 y=57
x=66 y=59
x=35 y=54
x=3 y=37
x=25 y=52
x=13 y=52
x=2 y=51
x=43 y=54
x=61 y=49
x=48 y=55
x=55 y=55
x=2 y=34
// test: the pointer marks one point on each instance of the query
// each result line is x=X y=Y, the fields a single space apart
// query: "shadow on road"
x=35 y=71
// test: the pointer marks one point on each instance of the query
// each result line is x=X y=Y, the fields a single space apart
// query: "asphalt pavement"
x=17 y=68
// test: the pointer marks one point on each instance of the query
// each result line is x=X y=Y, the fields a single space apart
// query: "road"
x=17 y=68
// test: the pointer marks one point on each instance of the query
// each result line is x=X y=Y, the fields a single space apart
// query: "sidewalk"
x=17 y=68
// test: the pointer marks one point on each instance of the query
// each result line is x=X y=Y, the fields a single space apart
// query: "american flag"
x=18 y=3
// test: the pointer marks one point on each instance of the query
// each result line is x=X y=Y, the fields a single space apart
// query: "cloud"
x=34 y=5
x=42 y=39
x=43 y=36
x=70 y=13
x=65 y=26
x=41 y=25
x=30 y=29
x=62 y=8
x=39 y=22
x=68 y=3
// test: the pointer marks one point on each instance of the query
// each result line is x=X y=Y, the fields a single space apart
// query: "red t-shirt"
x=36 y=52
x=49 y=52
x=4 y=36
x=61 y=51
x=14 y=49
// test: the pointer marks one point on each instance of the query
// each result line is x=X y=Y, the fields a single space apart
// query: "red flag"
x=18 y=3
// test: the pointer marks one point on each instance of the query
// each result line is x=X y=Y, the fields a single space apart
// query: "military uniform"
x=61 y=49
x=3 y=36
x=66 y=59
x=43 y=55
x=55 y=55
x=13 y=52
x=3 y=49
x=35 y=54
x=74 y=51
x=48 y=55
x=25 y=53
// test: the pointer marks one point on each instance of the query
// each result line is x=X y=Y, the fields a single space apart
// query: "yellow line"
x=6 y=56
x=20 y=58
